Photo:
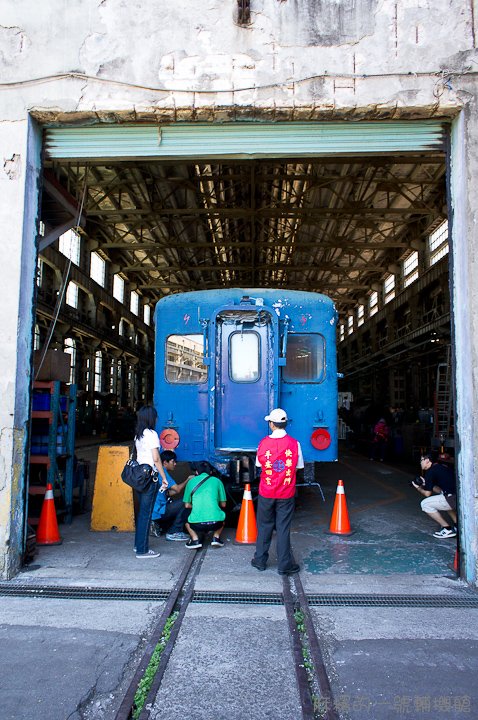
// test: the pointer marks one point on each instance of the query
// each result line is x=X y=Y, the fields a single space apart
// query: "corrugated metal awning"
x=248 y=140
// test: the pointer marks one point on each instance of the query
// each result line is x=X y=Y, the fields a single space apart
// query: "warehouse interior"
x=368 y=230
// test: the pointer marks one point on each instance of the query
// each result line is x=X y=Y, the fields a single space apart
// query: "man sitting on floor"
x=170 y=513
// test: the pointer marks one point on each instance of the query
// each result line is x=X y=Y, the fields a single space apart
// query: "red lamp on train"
x=169 y=439
x=320 y=439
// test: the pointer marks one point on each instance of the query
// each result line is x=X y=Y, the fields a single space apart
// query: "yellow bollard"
x=112 y=500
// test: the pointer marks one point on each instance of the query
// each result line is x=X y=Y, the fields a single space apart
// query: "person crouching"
x=205 y=495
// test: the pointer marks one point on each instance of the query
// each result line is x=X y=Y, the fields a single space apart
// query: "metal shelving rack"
x=63 y=418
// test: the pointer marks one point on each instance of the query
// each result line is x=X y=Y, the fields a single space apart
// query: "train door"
x=245 y=389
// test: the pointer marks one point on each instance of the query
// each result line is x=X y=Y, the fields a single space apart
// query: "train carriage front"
x=225 y=358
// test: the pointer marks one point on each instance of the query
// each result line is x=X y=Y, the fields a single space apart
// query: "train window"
x=184 y=359
x=244 y=356
x=305 y=358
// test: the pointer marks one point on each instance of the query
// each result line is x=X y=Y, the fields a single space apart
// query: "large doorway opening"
x=365 y=223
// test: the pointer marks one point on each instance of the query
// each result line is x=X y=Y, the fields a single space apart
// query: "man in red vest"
x=279 y=455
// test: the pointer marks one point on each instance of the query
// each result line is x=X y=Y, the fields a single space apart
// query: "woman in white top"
x=147 y=452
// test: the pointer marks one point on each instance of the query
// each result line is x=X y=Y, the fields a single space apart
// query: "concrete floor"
x=391 y=535
x=72 y=658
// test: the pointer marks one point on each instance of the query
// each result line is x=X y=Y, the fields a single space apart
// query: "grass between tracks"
x=148 y=677
x=309 y=668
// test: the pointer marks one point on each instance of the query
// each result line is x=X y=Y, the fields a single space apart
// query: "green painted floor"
x=391 y=534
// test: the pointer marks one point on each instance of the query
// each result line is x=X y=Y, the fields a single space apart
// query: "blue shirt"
x=162 y=498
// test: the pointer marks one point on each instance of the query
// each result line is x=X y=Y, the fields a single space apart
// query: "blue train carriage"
x=225 y=358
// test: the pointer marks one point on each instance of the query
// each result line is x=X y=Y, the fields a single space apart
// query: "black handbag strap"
x=199 y=484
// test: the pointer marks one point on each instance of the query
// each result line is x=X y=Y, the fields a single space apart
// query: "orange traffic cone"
x=340 y=523
x=246 y=527
x=47 y=533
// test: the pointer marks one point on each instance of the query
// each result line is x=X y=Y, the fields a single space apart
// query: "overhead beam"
x=54 y=233
x=281 y=212
x=210 y=224
x=58 y=193
x=335 y=268
x=239 y=244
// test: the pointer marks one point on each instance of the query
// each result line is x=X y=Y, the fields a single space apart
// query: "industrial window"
x=341 y=332
x=129 y=382
x=410 y=269
x=373 y=303
x=438 y=243
x=88 y=375
x=36 y=338
x=71 y=298
x=119 y=376
x=134 y=303
x=184 y=359
x=39 y=272
x=69 y=347
x=147 y=314
x=360 y=315
x=112 y=376
x=98 y=370
x=350 y=324
x=143 y=387
x=69 y=245
x=389 y=288
x=305 y=358
x=121 y=327
x=244 y=356
x=118 y=288
x=97 y=269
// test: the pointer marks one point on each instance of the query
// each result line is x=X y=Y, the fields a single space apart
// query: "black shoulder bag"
x=137 y=476
x=199 y=485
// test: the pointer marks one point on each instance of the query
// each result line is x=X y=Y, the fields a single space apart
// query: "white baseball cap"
x=277 y=415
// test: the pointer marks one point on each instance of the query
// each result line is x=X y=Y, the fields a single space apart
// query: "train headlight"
x=169 y=439
x=320 y=439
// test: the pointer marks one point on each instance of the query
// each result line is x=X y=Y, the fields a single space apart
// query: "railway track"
x=312 y=680
x=313 y=684
x=310 y=669
x=178 y=600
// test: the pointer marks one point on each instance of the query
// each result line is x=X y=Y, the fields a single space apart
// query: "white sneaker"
x=149 y=554
x=177 y=537
x=445 y=533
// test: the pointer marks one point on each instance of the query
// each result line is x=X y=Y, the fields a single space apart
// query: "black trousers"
x=174 y=517
x=272 y=513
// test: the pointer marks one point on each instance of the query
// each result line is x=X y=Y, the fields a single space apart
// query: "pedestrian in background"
x=147 y=452
x=381 y=433
x=279 y=456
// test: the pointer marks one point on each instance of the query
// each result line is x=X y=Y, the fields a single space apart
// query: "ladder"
x=443 y=421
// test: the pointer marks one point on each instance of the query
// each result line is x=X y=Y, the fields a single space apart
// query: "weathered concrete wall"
x=18 y=210
x=464 y=286
x=156 y=55
x=113 y=60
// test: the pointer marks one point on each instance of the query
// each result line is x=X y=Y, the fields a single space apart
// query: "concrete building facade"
x=109 y=62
